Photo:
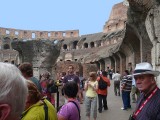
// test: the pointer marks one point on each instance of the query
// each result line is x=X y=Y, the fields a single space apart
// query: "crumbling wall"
x=42 y=54
x=145 y=17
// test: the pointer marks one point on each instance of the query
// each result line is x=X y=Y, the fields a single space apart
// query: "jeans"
x=91 y=106
x=126 y=99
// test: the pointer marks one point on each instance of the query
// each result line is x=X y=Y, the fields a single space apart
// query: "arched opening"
x=6 y=61
x=75 y=44
x=7 y=40
x=15 y=39
x=68 y=57
x=98 y=64
x=102 y=64
x=6 y=46
x=92 y=44
x=12 y=62
x=85 y=45
x=65 y=47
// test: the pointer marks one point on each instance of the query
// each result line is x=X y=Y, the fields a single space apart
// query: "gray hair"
x=13 y=88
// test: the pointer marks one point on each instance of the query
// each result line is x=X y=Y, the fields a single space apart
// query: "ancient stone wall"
x=33 y=34
x=117 y=18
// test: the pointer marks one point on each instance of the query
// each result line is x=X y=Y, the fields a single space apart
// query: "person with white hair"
x=13 y=92
x=148 y=105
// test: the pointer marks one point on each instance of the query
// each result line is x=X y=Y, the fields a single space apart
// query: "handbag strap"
x=45 y=110
x=77 y=108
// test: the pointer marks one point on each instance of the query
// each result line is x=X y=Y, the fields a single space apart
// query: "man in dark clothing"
x=148 y=105
x=71 y=76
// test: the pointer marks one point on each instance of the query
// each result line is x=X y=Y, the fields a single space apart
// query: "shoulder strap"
x=101 y=78
x=77 y=108
x=46 y=110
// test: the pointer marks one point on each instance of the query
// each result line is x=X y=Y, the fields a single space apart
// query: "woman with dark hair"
x=46 y=83
x=126 y=85
x=36 y=107
x=27 y=71
x=71 y=110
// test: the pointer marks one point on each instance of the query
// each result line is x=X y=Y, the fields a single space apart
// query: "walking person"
x=116 y=77
x=148 y=104
x=91 y=86
x=126 y=86
x=102 y=93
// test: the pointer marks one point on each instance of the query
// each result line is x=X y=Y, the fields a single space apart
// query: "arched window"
x=85 y=45
x=92 y=44
x=6 y=46
x=75 y=44
x=64 y=46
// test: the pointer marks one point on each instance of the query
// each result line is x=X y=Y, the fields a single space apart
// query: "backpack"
x=102 y=84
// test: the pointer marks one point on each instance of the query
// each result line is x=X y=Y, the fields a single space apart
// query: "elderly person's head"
x=13 y=92
x=70 y=89
x=26 y=69
x=144 y=77
x=33 y=94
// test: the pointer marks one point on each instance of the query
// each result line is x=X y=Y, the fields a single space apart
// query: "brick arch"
x=6 y=46
x=131 y=45
x=102 y=64
x=14 y=39
x=74 y=44
x=85 y=45
x=98 y=64
x=6 y=40
x=65 y=47
x=92 y=44
x=68 y=57
x=117 y=62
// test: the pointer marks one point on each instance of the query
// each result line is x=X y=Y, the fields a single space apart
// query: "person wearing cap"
x=148 y=105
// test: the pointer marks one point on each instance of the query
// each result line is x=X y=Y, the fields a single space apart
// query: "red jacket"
x=105 y=91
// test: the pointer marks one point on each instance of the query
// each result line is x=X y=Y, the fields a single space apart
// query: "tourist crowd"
x=24 y=97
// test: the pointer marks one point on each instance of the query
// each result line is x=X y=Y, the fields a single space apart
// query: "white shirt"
x=133 y=81
x=116 y=77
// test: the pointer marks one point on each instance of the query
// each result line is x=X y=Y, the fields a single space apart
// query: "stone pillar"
x=122 y=62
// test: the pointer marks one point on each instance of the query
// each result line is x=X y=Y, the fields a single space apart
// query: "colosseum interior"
x=130 y=35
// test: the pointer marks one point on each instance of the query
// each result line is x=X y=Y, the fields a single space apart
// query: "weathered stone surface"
x=145 y=16
x=42 y=54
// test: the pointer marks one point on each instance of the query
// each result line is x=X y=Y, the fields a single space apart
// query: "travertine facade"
x=131 y=35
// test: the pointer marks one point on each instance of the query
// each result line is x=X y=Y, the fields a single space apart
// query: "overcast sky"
x=87 y=16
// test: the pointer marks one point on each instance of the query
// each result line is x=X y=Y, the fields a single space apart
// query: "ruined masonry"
x=129 y=36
